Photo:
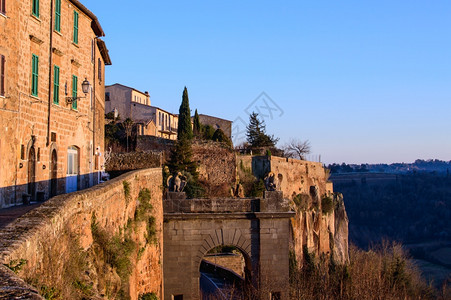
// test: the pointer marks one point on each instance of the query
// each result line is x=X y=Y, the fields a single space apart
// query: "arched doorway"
x=54 y=174
x=31 y=189
x=72 y=172
x=225 y=273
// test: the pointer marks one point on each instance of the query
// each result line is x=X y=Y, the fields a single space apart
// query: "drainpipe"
x=94 y=105
x=50 y=73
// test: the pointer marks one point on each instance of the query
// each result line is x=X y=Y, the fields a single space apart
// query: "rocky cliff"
x=321 y=224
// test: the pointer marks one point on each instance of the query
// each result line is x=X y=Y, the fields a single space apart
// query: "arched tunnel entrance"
x=259 y=229
x=225 y=273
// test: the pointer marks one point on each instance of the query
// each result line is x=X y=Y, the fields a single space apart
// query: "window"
x=58 y=15
x=177 y=297
x=35 y=8
x=74 y=91
x=56 y=85
x=100 y=69
x=34 y=75
x=2 y=74
x=75 y=38
x=107 y=96
x=2 y=6
x=92 y=50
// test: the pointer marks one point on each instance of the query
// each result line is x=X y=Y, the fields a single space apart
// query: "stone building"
x=217 y=123
x=136 y=105
x=52 y=133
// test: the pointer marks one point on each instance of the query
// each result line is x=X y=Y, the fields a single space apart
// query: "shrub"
x=327 y=205
x=126 y=186
x=148 y=296
x=301 y=201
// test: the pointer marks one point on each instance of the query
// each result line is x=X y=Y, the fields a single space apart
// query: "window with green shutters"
x=75 y=40
x=56 y=85
x=58 y=15
x=34 y=75
x=35 y=8
x=74 y=91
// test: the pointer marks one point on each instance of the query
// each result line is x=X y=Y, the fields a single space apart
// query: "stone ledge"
x=13 y=287
x=235 y=215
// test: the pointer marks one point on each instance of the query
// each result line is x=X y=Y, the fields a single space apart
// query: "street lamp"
x=85 y=88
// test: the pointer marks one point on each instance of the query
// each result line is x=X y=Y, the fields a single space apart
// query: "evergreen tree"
x=196 y=125
x=256 y=135
x=185 y=130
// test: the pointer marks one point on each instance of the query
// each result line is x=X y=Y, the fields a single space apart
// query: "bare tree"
x=296 y=148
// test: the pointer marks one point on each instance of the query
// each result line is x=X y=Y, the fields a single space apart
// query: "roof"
x=104 y=52
x=95 y=24
x=144 y=121
x=126 y=87
x=214 y=117
x=165 y=111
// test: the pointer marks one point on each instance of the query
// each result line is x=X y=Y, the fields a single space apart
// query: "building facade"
x=217 y=123
x=52 y=133
x=136 y=105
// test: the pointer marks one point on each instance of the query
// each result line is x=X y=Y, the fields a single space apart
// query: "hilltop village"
x=135 y=202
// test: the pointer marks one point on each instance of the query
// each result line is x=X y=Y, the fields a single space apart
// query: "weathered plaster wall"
x=43 y=237
x=133 y=161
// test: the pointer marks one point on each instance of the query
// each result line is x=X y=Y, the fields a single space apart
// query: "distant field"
x=443 y=255
x=358 y=178
x=432 y=272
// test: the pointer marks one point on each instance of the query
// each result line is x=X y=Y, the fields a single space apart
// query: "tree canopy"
x=184 y=130
x=256 y=133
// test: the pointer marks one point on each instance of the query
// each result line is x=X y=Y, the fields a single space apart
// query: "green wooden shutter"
x=58 y=15
x=35 y=9
x=75 y=40
x=56 y=85
x=74 y=91
x=34 y=75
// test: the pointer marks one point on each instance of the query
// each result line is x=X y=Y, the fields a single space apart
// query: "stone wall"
x=234 y=262
x=133 y=161
x=59 y=236
x=217 y=162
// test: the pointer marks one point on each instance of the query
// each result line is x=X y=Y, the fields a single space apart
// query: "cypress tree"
x=185 y=130
x=196 y=125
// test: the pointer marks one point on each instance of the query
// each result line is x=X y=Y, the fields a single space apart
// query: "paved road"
x=7 y=215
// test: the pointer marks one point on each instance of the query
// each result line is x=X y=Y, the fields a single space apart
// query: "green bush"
x=126 y=186
x=148 y=296
x=258 y=187
x=327 y=205
x=301 y=201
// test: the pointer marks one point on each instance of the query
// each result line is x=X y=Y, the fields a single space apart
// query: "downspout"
x=50 y=73
x=94 y=105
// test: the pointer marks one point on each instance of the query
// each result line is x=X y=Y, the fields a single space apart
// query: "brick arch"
x=224 y=237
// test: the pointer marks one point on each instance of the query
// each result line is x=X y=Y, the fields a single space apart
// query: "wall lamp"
x=84 y=86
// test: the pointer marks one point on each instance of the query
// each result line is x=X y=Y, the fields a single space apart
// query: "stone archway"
x=193 y=227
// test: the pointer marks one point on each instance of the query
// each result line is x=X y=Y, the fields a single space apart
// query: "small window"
x=58 y=15
x=2 y=74
x=107 y=96
x=3 y=7
x=56 y=85
x=34 y=75
x=93 y=49
x=100 y=69
x=75 y=38
x=35 y=8
x=177 y=297
x=74 y=91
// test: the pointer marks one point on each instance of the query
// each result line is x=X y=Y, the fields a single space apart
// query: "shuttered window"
x=3 y=7
x=56 y=85
x=2 y=75
x=35 y=8
x=75 y=39
x=34 y=75
x=74 y=91
x=58 y=15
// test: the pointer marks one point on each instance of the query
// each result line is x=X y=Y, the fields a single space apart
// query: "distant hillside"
x=431 y=165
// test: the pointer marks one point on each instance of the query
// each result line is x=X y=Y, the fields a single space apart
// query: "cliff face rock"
x=321 y=224
x=103 y=242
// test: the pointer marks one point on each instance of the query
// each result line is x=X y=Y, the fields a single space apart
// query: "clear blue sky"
x=363 y=81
